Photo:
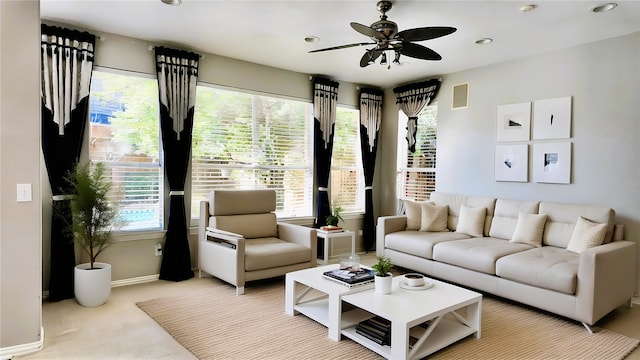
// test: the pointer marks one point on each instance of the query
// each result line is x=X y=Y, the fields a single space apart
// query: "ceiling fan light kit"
x=385 y=36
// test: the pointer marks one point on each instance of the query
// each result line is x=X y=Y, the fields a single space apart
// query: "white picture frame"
x=552 y=162
x=513 y=122
x=512 y=163
x=552 y=118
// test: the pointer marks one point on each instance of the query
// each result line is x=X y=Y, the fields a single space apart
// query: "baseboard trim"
x=135 y=280
x=9 y=352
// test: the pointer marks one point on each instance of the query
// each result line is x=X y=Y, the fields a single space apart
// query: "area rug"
x=216 y=324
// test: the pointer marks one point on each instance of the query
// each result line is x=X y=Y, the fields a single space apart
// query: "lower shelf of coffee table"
x=446 y=333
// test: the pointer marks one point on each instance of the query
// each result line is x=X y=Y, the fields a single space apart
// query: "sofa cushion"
x=413 y=211
x=479 y=254
x=262 y=225
x=586 y=234
x=529 y=229
x=454 y=201
x=506 y=215
x=562 y=219
x=434 y=217
x=471 y=220
x=270 y=252
x=419 y=243
x=547 y=267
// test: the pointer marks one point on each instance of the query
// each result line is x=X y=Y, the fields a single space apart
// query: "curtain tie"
x=176 y=193
x=61 y=197
x=368 y=188
x=320 y=188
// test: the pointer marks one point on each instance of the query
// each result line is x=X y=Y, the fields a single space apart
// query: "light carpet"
x=216 y=324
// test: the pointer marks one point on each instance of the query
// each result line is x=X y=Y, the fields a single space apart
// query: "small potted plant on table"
x=383 y=278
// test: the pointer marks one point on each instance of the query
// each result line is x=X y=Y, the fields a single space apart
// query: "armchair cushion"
x=250 y=226
x=237 y=202
x=270 y=252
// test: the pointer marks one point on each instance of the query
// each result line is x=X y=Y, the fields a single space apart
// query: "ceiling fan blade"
x=419 y=52
x=341 y=47
x=425 y=33
x=367 y=31
x=370 y=56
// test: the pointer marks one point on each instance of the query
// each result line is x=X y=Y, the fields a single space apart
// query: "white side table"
x=328 y=235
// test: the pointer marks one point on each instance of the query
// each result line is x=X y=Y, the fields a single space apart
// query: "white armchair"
x=240 y=239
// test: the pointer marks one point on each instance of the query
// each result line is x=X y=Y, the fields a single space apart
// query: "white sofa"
x=518 y=250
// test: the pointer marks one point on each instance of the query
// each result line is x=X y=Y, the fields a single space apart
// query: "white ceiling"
x=272 y=32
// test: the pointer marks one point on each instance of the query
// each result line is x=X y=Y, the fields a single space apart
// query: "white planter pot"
x=92 y=287
x=383 y=284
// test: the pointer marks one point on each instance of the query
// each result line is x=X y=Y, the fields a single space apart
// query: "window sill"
x=123 y=236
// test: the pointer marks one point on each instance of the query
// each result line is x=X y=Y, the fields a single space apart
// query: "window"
x=124 y=135
x=244 y=141
x=416 y=175
x=347 y=179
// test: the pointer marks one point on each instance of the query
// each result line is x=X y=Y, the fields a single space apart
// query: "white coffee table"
x=325 y=308
x=407 y=309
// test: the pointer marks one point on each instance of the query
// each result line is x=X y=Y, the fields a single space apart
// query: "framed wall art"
x=552 y=118
x=552 y=162
x=512 y=163
x=513 y=122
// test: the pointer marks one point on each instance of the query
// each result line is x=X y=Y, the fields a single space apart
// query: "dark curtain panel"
x=67 y=61
x=325 y=98
x=370 y=117
x=177 y=76
x=411 y=99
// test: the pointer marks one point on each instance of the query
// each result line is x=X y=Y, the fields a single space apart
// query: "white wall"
x=20 y=223
x=604 y=80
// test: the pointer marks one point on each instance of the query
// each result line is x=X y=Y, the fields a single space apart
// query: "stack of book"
x=376 y=329
x=350 y=278
x=331 y=229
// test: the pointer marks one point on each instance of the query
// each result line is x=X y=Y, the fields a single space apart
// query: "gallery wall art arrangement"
x=551 y=161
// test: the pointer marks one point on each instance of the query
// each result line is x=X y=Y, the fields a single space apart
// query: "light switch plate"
x=24 y=192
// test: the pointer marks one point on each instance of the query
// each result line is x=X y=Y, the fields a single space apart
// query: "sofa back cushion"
x=455 y=201
x=505 y=217
x=562 y=218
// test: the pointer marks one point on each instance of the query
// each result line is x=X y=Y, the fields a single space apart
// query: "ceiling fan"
x=386 y=37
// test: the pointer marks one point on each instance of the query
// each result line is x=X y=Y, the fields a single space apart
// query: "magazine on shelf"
x=349 y=278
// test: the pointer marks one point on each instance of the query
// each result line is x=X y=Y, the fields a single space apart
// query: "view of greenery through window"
x=416 y=176
x=240 y=141
x=124 y=135
x=347 y=177
x=243 y=141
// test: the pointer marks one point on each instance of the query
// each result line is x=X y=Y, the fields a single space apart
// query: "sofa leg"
x=591 y=329
x=239 y=290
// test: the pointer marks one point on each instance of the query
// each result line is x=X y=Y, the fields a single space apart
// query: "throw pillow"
x=434 y=217
x=471 y=221
x=586 y=234
x=413 y=211
x=529 y=229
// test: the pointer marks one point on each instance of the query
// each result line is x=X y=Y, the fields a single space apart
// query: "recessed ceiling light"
x=172 y=2
x=604 y=7
x=527 y=8
x=312 y=39
x=484 y=41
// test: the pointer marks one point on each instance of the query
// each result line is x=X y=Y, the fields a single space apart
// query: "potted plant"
x=334 y=217
x=93 y=219
x=383 y=278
